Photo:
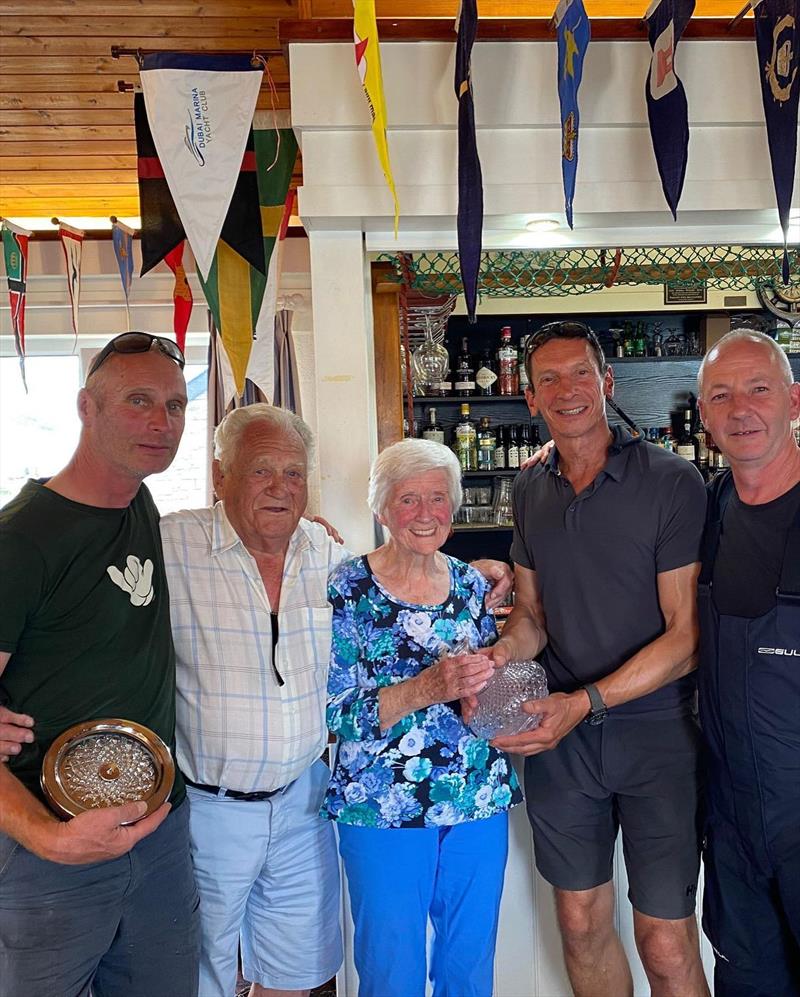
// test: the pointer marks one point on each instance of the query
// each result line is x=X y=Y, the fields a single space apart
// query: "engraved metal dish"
x=105 y=763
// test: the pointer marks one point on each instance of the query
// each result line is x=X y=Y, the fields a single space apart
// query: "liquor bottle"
x=466 y=441
x=487 y=442
x=687 y=444
x=523 y=370
x=507 y=364
x=464 y=380
x=640 y=341
x=702 y=448
x=433 y=430
x=667 y=442
x=536 y=440
x=627 y=340
x=500 y=462
x=512 y=456
x=486 y=374
x=525 y=444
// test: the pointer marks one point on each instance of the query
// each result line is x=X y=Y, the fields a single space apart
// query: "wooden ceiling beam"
x=166 y=8
x=531 y=29
x=151 y=25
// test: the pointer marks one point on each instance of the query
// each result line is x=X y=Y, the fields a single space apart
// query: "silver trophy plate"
x=499 y=712
x=105 y=763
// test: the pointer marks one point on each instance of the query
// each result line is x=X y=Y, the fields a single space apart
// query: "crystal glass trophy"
x=499 y=712
x=429 y=363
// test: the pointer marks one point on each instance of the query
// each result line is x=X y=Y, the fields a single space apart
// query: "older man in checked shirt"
x=251 y=624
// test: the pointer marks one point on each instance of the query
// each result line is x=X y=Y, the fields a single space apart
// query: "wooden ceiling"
x=66 y=132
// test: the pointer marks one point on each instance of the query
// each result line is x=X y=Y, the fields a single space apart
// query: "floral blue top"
x=428 y=770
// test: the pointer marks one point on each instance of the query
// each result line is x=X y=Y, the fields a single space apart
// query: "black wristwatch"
x=598 y=709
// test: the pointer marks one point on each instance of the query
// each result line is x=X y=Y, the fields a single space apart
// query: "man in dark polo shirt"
x=96 y=902
x=606 y=544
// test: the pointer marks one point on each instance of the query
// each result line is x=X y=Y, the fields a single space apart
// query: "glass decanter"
x=429 y=363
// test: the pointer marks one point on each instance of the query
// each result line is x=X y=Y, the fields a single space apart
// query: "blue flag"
x=778 y=45
x=122 y=237
x=573 y=33
x=667 y=109
x=470 y=181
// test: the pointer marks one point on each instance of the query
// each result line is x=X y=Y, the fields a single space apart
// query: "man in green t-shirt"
x=95 y=901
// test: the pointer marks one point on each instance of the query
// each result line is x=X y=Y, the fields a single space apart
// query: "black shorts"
x=637 y=774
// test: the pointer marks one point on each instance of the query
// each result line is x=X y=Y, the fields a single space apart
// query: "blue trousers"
x=398 y=879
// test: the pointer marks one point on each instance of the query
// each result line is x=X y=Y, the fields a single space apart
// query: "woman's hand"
x=460 y=677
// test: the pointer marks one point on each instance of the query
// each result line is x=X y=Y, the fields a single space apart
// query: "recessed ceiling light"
x=543 y=225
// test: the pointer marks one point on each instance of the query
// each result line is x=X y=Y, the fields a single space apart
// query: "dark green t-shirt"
x=84 y=611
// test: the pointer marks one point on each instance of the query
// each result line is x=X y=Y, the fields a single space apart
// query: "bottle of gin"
x=487 y=442
x=466 y=441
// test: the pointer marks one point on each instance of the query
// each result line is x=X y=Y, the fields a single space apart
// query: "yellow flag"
x=368 y=63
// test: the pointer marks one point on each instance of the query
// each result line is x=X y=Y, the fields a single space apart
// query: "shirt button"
x=572 y=508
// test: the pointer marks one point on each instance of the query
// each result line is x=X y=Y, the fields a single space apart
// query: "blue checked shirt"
x=236 y=726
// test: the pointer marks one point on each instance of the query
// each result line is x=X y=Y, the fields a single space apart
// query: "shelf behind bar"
x=470 y=400
x=507 y=472
x=475 y=527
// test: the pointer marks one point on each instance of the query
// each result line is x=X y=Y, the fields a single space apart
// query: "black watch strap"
x=598 y=708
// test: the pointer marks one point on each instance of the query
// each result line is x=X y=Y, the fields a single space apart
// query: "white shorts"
x=267 y=871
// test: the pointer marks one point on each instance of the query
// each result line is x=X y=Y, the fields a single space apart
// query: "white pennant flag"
x=72 y=244
x=200 y=109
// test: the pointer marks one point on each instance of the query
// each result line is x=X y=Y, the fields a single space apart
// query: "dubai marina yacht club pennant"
x=122 y=237
x=200 y=108
x=470 y=180
x=15 y=253
x=72 y=244
x=778 y=47
x=667 y=108
x=573 y=33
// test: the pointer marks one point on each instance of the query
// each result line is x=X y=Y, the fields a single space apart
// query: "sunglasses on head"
x=137 y=342
x=556 y=330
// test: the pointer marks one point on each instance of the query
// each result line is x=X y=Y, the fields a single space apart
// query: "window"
x=39 y=430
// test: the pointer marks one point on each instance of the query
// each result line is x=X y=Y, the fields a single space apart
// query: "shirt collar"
x=618 y=452
x=224 y=537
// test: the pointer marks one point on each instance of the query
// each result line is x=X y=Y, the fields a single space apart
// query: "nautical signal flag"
x=667 y=108
x=72 y=244
x=200 y=108
x=15 y=254
x=122 y=237
x=182 y=300
x=235 y=289
x=573 y=33
x=778 y=47
x=368 y=65
x=470 y=180
x=161 y=228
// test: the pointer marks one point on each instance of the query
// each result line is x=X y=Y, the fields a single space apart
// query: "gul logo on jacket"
x=136 y=579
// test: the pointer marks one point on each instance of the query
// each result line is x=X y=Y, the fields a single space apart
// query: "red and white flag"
x=200 y=109
x=15 y=252
x=182 y=299
x=72 y=244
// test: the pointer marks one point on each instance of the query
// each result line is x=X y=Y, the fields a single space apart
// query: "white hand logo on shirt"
x=137 y=579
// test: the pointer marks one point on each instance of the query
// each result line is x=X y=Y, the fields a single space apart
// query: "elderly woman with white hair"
x=420 y=802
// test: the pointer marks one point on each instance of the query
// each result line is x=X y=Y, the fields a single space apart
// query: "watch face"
x=596 y=717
